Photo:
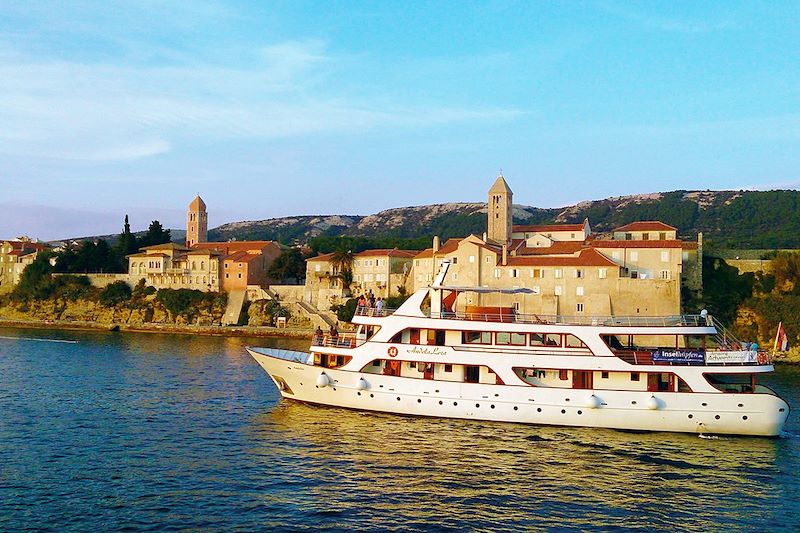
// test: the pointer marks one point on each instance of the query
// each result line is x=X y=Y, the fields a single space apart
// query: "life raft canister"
x=392 y=351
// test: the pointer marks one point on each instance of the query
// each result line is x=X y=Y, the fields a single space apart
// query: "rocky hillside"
x=728 y=219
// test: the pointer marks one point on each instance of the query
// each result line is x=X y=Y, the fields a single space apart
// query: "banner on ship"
x=678 y=356
x=740 y=356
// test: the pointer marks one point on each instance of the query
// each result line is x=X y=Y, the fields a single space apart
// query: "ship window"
x=448 y=368
x=376 y=362
x=634 y=376
x=604 y=375
x=412 y=364
x=735 y=383
x=563 y=375
x=477 y=337
x=513 y=339
x=545 y=339
x=574 y=342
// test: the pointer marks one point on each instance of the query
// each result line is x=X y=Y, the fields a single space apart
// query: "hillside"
x=728 y=219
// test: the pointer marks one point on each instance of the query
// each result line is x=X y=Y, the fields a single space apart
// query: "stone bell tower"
x=500 y=214
x=196 y=222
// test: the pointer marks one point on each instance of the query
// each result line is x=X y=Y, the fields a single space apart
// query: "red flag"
x=781 y=340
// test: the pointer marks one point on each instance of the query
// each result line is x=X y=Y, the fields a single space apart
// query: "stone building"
x=15 y=255
x=206 y=266
x=567 y=269
x=382 y=271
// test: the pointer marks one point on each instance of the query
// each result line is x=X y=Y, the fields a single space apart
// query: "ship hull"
x=706 y=413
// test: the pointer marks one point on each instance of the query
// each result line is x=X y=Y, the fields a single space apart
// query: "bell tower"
x=196 y=222
x=499 y=212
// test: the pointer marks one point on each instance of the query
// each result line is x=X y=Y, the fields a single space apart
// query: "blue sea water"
x=130 y=432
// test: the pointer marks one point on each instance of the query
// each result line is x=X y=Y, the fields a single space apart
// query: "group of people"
x=319 y=335
x=373 y=305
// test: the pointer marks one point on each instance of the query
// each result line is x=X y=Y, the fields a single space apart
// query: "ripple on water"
x=159 y=432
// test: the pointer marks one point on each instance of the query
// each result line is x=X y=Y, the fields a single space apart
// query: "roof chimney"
x=484 y=236
x=435 y=243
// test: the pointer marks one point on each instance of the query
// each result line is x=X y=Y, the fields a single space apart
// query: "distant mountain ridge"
x=728 y=219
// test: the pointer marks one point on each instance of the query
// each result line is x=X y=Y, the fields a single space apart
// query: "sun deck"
x=508 y=315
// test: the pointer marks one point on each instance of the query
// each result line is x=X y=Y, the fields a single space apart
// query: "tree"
x=126 y=244
x=115 y=293
x=288 y=266
x=156 y=234
x=36 y=281
x=343 y=265
x=89 y=257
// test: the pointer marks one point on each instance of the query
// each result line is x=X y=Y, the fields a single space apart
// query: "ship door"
x=472 y=374
x=414 y=336
x=581 y=379
x=428 y=372
x=664 y=382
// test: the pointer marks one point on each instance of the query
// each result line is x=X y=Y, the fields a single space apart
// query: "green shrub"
x=115 y=293
x=346 y=311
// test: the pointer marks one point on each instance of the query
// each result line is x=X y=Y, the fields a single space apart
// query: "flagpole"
x=777 y=336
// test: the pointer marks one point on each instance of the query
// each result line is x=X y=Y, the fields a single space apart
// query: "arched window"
x=202 y=265
x=194 y=265
x=204 y=279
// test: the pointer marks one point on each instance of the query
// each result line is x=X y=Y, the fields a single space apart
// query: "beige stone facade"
x=15 y=255
x=381 y=271
x=567 y=269
x=196 y=222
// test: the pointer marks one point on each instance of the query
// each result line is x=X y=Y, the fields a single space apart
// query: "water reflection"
x=187 y=432
x=436 y=472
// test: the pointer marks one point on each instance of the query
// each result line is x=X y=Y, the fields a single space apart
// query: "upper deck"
x=507 y=315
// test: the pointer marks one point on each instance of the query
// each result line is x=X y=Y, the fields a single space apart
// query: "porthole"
x=744 y=417
x=633 y=402
x=437 y=390
x=717 y=417
x=538 y=409
x=398 y=398
x=419 y=400
x=358 y=393
x=563 y=411
x=781 y=410
x=691 y=416
x=741 y=405
x=477 y=405
x=371 y=395
x=301 y=383
x=704 y=404
x=516 y=408
x=566 y=399
x=440 y=402
x=334 y=388
x=492 y=406
x=580 y=412
x=496 y=395
x=455 y=403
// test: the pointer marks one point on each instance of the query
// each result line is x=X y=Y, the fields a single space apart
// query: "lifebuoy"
x=392 y=351
x=762 y=358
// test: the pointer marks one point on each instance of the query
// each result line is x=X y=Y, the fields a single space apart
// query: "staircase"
x=234 y=308
x=316 y=316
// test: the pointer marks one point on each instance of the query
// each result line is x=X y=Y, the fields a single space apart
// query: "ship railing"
x=363 y=310
x=531 y=318
x=341 y=340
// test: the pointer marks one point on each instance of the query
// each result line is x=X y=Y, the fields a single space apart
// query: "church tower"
x=196 y=222
x=500 y=216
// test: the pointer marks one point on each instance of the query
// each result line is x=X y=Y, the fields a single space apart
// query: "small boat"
x=431 y=357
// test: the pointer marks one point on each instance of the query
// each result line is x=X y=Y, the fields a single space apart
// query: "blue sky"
x=284 y=108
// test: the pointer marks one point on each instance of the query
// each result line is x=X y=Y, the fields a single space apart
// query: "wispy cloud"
x=98 y=111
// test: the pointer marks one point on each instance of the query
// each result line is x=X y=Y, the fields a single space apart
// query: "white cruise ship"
x=676 y=373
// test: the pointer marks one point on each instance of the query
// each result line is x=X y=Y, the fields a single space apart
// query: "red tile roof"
x=393 y=252
x=241 y=257
x=451 y=245
x=587 y=257
x=646 y=225
x=427 y=252
x=322 y=257
x=548 y=228
x=558 y=248
x=636 y=244
x=233 y=246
